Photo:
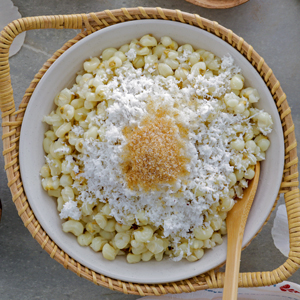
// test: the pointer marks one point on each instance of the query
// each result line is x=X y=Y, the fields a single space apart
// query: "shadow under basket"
x=12 y=121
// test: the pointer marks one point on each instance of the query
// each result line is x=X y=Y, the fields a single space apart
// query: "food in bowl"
x=149 y=148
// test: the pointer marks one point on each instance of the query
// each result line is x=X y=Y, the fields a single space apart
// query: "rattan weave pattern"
x=12 y=120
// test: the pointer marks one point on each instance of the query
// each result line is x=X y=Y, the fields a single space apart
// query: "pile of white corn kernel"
x=71 y=124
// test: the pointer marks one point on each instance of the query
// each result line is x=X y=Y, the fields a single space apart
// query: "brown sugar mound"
x=154 y=154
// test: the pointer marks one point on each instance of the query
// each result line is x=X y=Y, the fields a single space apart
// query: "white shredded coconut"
x=209 y=154
x=48 y=160
x=62 y=149
x=184 y=56
x=69 y=160
x=70 y=210
x=76 y=169
x=131 y=54
x=78 y=130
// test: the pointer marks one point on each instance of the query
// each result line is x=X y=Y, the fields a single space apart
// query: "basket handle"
x=289 y=185
x=18 y=26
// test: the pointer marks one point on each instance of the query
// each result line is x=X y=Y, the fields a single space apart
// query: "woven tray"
x=12 y=120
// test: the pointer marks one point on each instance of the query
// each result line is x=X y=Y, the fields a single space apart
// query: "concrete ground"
x=270 y=26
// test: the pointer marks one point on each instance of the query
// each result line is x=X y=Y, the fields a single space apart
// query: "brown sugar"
x=160 y=111
x=154 y=154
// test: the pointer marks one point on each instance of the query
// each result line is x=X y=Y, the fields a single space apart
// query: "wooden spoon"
x=236 y=222
x=221 y=4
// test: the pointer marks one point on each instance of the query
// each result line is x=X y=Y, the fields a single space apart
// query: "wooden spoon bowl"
x=236 y=222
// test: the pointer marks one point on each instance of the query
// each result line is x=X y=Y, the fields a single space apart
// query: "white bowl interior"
x=62 y=74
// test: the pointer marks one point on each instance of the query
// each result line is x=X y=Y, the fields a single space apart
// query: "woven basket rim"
x=12 y=120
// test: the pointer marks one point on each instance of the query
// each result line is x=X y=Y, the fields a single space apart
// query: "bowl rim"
x=27 y=182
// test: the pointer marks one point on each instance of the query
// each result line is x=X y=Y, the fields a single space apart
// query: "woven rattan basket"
x=12 y=120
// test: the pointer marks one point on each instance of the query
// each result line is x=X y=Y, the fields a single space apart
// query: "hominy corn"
x=81 y=116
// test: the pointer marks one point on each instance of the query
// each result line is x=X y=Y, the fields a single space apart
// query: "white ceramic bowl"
x=62 y=74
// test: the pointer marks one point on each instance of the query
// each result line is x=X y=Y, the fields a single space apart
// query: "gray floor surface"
x=270 y=26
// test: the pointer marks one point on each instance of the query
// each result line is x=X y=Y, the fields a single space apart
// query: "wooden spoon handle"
x=236 y=222
x=233 y=260
x=220 y=4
